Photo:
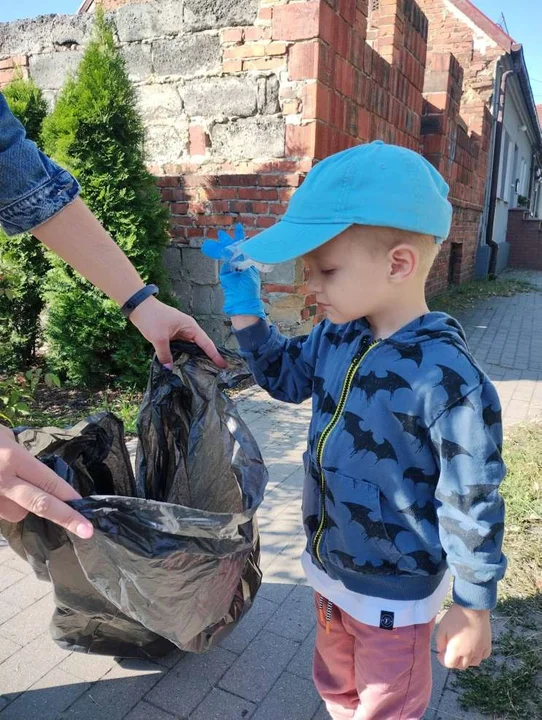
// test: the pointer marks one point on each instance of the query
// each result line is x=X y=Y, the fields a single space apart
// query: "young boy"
x=404 y=455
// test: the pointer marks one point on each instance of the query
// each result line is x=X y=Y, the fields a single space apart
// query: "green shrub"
x=96 y=132
x=22 y=259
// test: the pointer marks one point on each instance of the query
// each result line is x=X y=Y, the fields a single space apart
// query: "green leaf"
x=52 y=380
x=23 y=408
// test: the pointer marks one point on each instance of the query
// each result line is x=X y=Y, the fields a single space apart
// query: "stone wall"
x=241 y=97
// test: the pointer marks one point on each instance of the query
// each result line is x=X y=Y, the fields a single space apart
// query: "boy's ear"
x=403 y=261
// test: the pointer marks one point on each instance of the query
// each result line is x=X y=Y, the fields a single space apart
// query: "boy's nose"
x=313 y=286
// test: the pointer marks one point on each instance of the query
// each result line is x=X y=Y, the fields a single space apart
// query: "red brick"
x=182 y=220
x=300 y=139
x=219 y=206
x=231 y=66
x=278 y=288
x=265 y=63
x=364 y=124
x=259 y=194
x=265 y=222
x=178 y=193
x=291 y=107
x=276 y=48
x=6 y=76
x=13 y=62
x=240 y=206
x=341 y=37
x=316 y=102
x=304 y=60
x=234 y=35
x=198 y=140
x=299 y=21
x=290 y=179
x=327 y=23
x=265 y=13
x=215 y=220
x=257 y=33
x=347 y=9
x=260 y=208
x=285 y=194
x=221 y=193
x=278 y=208
x=250 y=50
x=167 y=181
x=179 y=208
x=338 y=111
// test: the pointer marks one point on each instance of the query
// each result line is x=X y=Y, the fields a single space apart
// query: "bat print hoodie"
x=403 y=465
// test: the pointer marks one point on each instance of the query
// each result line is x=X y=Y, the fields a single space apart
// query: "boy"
x=404 y=458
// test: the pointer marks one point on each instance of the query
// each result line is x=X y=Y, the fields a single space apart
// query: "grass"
x=505 y=686
x=462 y=297
x=509 y=685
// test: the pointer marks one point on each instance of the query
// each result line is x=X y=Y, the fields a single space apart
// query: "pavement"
x=263 y=669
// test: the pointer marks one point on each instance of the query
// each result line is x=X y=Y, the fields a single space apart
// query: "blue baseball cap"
x=374 y=184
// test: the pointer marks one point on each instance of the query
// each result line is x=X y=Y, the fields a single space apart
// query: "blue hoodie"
x=404 y=464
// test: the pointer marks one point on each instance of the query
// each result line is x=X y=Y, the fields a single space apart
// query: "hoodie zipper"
x=347 y=385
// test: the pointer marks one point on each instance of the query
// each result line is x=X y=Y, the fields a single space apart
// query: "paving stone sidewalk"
x=263 y=669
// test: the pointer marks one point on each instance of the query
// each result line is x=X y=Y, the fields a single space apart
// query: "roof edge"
x=485 y=23
x=86 y=5
x=520 y=67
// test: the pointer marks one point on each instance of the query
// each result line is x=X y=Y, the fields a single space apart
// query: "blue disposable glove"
x=242 y=288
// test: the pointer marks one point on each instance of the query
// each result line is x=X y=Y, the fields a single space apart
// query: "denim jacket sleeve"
x=32 y=187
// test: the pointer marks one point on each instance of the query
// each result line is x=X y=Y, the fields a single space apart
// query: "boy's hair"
x=380 y=240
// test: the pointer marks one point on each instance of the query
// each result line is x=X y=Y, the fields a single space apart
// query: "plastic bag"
x=174 y=556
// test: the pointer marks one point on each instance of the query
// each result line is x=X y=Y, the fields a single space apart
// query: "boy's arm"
x=467 y=439
x=282 y=366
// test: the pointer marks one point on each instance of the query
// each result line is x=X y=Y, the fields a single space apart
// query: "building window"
x=504 y=165
x=513 y=181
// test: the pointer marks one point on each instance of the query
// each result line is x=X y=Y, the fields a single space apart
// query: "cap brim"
x=287 y=240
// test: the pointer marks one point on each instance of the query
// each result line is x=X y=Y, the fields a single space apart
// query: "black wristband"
x=137 y=298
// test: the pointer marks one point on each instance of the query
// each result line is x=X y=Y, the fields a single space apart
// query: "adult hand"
x=26 y=485
x=160 y=323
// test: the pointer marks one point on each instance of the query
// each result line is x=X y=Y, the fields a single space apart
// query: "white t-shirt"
x=375 y=611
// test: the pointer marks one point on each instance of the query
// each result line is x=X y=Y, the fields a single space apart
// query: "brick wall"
x=240 y=99
x=525 y=238
x=12 y=67
x=462 y=53
x=461 y=155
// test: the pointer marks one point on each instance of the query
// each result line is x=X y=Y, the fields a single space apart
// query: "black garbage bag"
x=173 y=561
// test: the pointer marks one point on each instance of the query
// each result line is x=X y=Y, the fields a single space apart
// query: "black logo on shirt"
x=386 y=620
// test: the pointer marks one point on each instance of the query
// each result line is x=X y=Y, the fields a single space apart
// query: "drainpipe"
x=495 y=176
x=482 y=230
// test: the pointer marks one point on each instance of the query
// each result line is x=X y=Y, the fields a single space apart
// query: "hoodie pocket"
x=357 y=538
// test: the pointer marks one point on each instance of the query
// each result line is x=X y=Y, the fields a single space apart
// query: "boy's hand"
x=241 y=288
x=463 y=637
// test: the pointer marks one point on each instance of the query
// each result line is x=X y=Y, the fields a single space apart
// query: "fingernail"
x=84 y=531
x=168 y=366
